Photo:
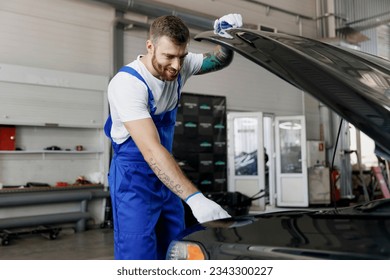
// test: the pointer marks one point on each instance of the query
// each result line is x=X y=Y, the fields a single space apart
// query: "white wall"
x=69 y=35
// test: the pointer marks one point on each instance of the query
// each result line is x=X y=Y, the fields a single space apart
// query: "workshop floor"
x=93 y=244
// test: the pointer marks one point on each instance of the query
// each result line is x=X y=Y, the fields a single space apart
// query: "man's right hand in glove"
x=204 y=209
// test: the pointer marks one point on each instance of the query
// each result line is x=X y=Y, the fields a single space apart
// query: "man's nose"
x=176 y=63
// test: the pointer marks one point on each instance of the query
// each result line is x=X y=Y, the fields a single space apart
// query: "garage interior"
x=56 y=59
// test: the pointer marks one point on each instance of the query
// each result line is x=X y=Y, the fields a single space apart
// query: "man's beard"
x=163 y=72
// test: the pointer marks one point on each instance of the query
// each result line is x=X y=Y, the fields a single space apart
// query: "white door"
x=291 y=165
x=246 y=156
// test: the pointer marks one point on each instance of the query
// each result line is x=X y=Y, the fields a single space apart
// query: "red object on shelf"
x=7 y=138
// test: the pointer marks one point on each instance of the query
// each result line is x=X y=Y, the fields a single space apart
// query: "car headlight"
x=184 y=250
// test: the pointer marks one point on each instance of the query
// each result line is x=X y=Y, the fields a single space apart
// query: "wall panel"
x=362 y=14
x=58 y=34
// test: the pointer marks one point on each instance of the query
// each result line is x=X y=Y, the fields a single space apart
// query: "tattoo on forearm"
x=216 y=60
x=176 y=188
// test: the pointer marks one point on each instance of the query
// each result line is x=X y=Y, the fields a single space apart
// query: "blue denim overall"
x=146 y=214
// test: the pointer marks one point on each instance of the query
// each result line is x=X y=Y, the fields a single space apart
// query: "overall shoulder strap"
x=134 y=73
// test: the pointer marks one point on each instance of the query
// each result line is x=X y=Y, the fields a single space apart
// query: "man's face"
x=168 y=58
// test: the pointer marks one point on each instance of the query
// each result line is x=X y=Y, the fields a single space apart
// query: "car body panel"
x=359 y=232
x=354 y=85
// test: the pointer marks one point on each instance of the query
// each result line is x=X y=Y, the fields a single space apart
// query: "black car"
x=356 y=86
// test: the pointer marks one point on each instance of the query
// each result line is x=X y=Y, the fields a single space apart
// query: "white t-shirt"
x=128 y=96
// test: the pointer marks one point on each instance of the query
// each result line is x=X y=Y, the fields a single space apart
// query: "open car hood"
x=353 y=84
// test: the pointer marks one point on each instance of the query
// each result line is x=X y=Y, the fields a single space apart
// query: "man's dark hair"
x=172 y=27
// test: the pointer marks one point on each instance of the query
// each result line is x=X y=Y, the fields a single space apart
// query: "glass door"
x=246 y=156
x=291 y=165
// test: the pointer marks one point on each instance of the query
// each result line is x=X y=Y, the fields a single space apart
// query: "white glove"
x=205 y=209
x=227 y=22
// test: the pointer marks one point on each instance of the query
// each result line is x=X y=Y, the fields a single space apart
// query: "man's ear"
x=149 y=46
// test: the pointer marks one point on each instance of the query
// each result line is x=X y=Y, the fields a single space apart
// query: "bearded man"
x=146 y=184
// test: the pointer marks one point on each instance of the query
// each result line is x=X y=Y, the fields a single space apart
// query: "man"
x=146 y=183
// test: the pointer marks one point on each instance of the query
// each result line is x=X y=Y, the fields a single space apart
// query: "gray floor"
x=93 y=244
